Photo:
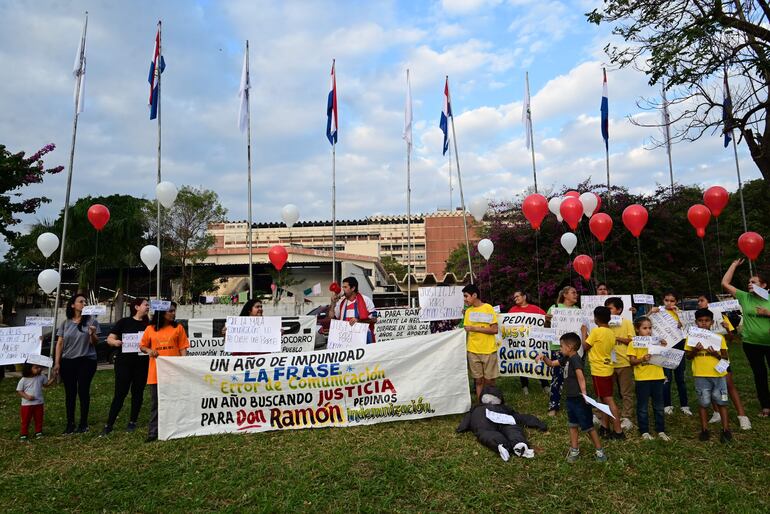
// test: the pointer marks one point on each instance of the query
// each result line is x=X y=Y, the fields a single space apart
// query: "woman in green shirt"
x=756 y=330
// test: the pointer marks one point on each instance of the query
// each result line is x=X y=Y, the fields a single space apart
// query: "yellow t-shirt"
x=602 y=341
x=626 y=331
x=673 y=313
x=645 y=370
x=484 y=315
x=726 y=320
x=703 y=363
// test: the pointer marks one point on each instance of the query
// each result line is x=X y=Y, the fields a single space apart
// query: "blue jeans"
x=711 y=389
x=678 y=376
x=646 y=390
x=556 y=381
x=579 y=414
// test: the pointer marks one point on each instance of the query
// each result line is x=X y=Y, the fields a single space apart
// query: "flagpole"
x=248 y=167
x=462 y=197
x=334 y=212
x=605 y=132
x=78 y=86
x=408 y=201
x=158 y=73
x=667 y=123
x=531 y=131
x=450 y=182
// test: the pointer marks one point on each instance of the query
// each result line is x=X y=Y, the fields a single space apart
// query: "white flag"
x=408 y=113
x=526 y=113
x=243 y=93
x=79 y=71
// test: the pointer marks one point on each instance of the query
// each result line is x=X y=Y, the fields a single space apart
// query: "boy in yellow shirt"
x=649 y=381
x=480 y=323
x=598 y=345
x=623 y=373
x=710 y=383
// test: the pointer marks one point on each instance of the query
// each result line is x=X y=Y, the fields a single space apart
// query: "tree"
x=391 y=265
x=690 y=46
x=184 y=235
x=17 y=171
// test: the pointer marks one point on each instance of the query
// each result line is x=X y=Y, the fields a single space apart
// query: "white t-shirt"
x=33 y=386
x=350 y=307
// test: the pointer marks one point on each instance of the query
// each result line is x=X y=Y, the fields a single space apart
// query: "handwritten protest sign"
x=412 y=378
x=40 y=360
x=344 y=335
x=589 y=302
x=665 y=357
x=760 y=291
x=688 y=320
x=38 y=321
x=644 y=299
x=131 y=342
x=601 y=406
x=707 y=338
x=298 y=334
x=726 y=306
x=665 y=326
x=253 y=334
x=645 y=341
x=160 y=305
x=95 y=310
x=399 y=323
x=440 y=303
x=17 y=343
x=522 y=338
x=568 y=320
x=722 y=365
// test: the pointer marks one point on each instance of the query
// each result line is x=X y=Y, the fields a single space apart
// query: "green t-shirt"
x=756 y=329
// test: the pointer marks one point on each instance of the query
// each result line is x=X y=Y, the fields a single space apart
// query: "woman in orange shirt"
x=163 y=337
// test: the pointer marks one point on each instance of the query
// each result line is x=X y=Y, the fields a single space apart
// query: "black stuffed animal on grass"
x=499 y=427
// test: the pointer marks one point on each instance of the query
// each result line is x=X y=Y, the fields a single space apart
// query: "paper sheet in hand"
x=726 y=306
x=160 y=305
x=500 y=418
x=94 y=310
x=131 y=342
x=644 y=299
x=722 y=366
x=645 y=341
x=760 y=291
x=253 y=334
x=38 y=321
x=601 y=406
x=344 y=335
x=480 y=317
x=707 y=338
x=666 y=327
x=440 y=303
x=665 y=357
x=40 y=360
x=18 y=343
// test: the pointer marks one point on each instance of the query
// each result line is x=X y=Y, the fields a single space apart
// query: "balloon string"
x=604 y=263
x=639 y=255
x=706 y=262
x=96 y=257
x=719 y=250
x=537 y=263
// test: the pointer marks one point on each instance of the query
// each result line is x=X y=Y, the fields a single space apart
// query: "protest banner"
x=344 y=335
x=412 y=378
x=253 y=334
x=399 y=323
x=38 y=321
x=131 y=343
x=589 y=302
x=205 y=335
x=94 y=310
x=665 y=357
x=522 y=338
x=440 y=303
x=18 y=343
x=688 y=320
x=665 y=326
x=706 y=338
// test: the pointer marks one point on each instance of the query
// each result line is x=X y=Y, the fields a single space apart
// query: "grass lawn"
x=400 y=466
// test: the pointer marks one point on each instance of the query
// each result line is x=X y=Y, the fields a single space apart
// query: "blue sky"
x=485 y=46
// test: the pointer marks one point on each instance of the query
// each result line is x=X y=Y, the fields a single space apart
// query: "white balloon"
x=589 y=202
x=569 y=242
x=290 y=214
x=486 y=247
x=553 y=206
x=47 y=243
x=150 y=256
x=48 y=279
x=166 y=193
x=478 y=208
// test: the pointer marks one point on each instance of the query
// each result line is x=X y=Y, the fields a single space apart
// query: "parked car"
x=322 y=322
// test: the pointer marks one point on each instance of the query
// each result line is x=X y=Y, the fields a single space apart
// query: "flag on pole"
x=157 y=65
x=243 y=93
x=79 y=70
x=407 y=135
x=446 y=113
x=331 y=110
x=526 y=113
x=313 y=291
x=727 y=113
x=605 y=113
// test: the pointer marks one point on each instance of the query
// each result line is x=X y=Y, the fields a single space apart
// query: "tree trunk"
x=758 y=153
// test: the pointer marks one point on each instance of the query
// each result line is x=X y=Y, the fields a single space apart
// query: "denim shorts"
x=711 y=389
x=579 y=414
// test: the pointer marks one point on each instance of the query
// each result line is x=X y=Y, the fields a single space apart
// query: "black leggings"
x=130 y=375
x=758 y=355
x=77 y=375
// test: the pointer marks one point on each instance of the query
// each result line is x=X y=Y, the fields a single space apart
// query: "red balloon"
x=278 y=256
x=571 y=209
x=716 y=199
x=334 y=287
x=98 y=215
x=635 y=218
x=699 y=216
x=751 y=244
x=598 y=204
x=584 y=265
x=600 y=225
x=535 y=208
x=572 y=194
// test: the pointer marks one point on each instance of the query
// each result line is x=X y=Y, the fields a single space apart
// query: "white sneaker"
x=626 y=424
x=663 y=436
x=686 y=411
x=668 y=410
x=596 y=420
x=744 y=422
x=525 y=390
x=503 y=452
x=716 y=418
x=646 y=436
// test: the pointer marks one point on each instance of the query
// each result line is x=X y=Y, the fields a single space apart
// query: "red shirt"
x=530 y=309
